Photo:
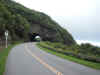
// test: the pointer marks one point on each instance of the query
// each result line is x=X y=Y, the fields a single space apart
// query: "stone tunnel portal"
x=34 y=37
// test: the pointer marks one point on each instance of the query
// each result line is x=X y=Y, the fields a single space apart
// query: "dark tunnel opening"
x=34 y=37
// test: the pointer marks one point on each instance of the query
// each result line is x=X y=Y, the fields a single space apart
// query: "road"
x=28 y=59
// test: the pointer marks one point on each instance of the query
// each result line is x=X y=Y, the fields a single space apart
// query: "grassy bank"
x=3 y=56
x=71 y=58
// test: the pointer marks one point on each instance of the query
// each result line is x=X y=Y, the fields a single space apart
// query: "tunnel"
x=33 y=37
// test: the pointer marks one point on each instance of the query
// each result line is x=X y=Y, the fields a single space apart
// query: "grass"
x=3 y=56
x=74 y=59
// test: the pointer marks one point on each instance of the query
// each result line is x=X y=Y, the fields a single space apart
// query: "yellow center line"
x=42 y=62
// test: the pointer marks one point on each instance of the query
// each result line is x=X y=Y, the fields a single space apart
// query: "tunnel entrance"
x=34 y=37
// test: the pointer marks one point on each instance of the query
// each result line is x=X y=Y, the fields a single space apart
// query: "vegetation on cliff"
x=19 y=20
x=85 y=54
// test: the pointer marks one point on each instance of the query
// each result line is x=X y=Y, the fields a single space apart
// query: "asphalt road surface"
x=28 y=59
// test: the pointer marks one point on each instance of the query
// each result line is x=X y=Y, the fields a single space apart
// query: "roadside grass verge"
x=3 y=56
x=90 y=64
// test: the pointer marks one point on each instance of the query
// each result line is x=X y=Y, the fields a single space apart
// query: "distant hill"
x=21 y=21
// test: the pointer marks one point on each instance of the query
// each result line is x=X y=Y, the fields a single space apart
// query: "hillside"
x=21 y=22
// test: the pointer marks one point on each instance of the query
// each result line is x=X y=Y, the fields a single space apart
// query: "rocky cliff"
x=21 y=21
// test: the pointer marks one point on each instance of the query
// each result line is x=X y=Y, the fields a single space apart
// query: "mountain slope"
x=21 y=21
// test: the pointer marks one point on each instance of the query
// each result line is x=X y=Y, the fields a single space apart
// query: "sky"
x=80 y=17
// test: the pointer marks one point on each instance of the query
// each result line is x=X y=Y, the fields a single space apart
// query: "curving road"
x=27 y=59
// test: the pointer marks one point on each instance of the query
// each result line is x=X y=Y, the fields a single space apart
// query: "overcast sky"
x=80 y=17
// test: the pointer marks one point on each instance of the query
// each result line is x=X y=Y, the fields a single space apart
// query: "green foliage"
x=43 y=46
x=90 y=49
x=17 y=25
x=84 y=51
x=18 y=20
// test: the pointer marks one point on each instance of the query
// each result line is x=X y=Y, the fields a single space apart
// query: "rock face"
x=23 y=22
